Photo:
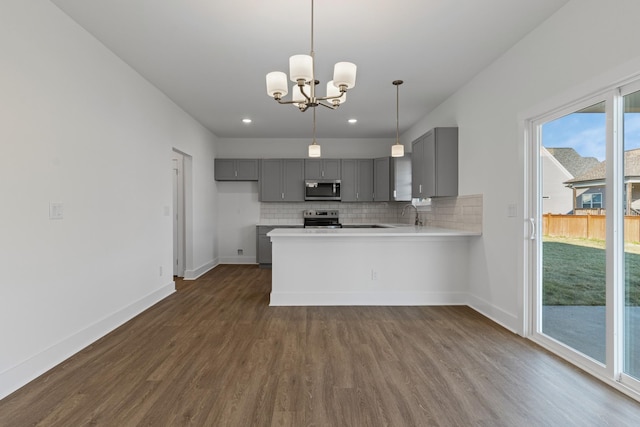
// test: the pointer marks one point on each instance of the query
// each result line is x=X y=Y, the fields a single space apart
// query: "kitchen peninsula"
x=404 y=265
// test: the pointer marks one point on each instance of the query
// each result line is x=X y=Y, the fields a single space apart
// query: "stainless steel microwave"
x=322 y=189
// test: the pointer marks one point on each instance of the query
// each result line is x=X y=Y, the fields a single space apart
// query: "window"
x=592 y=200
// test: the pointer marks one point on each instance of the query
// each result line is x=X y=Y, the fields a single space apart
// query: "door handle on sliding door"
x=532 y=236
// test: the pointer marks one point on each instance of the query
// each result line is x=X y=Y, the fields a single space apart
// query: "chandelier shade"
x=333 y=91
x=277 y=83
x=301 y=68
x=344 y=74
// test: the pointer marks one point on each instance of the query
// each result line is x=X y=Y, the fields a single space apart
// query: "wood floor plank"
x=215 y=354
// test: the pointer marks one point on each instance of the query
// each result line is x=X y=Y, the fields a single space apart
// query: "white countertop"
x=270 y=224
x=391 y=230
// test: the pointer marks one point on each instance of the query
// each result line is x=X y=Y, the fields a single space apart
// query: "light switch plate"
x=512 y=210
x=56 y=211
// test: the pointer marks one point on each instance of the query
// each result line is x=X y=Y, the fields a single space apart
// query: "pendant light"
x=314 y=148
x=397 y=149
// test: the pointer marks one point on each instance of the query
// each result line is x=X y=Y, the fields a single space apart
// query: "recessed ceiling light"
x=246 y=121
x=352 y=121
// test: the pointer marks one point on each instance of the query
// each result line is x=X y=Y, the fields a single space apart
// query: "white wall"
x=238 y=214
x=585 y=40
x=81 y=128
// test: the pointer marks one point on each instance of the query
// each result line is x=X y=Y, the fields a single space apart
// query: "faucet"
x=417 y=220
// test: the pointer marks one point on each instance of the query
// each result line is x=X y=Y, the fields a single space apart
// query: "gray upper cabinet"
x=381 y=189
x=392 y=179
x=282 y=180
x=322 y=169
x=357 y=180
x=236 y=169
x=417 y=168
x=400 y=178
x=434 y=163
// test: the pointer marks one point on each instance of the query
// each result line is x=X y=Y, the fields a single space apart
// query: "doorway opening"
x=180 y=171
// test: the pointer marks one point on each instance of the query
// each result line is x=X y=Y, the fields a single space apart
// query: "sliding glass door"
x=631 y=290
x=572 y=159
x=584 y=245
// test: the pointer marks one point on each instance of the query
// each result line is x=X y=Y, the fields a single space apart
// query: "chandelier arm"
x=280 y=101
x=333 y=107
x=325 y=98
x=301 y=87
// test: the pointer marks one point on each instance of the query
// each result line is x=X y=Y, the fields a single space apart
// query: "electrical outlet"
x=374 y=275
x=240 y=251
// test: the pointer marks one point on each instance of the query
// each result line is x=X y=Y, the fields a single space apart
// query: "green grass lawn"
x=575 y=275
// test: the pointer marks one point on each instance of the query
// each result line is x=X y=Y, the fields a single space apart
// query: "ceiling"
x=211 y=56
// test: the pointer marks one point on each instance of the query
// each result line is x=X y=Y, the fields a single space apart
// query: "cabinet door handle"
x=420 y=188
x=323 y=174
x=236 y=173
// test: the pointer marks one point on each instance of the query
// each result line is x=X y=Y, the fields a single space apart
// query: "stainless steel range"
x=321 y=219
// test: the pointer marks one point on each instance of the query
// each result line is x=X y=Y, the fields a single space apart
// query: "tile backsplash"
x=460 y=213
x=350 y=213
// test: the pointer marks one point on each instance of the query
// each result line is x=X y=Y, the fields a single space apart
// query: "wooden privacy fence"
x=587 y=226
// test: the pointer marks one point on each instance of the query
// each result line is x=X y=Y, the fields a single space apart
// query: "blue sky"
x=585 y=132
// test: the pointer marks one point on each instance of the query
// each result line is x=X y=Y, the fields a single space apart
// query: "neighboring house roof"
x=573 y=162
x=598 y=172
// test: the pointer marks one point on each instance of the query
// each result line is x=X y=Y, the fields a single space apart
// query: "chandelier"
x=302 y=74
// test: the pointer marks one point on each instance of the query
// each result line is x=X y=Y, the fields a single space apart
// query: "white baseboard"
x=367 y=298
x=19 y=375
x=238 y=260
x=498 y=315
x=194 y=274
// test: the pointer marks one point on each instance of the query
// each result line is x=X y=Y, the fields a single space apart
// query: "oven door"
x=322 y=190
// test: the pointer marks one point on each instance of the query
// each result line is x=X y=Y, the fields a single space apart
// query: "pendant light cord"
x=314 y=126
x=397 y=114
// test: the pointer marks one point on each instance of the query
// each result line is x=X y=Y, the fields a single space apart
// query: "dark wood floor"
x=215 y=354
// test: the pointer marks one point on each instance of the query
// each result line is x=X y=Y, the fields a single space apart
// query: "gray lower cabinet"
x=322 y=169
x=236 y=169
x=263 y=245
x=434 y=163
x=357 y=180
x=263 y=242
x=282 y=180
